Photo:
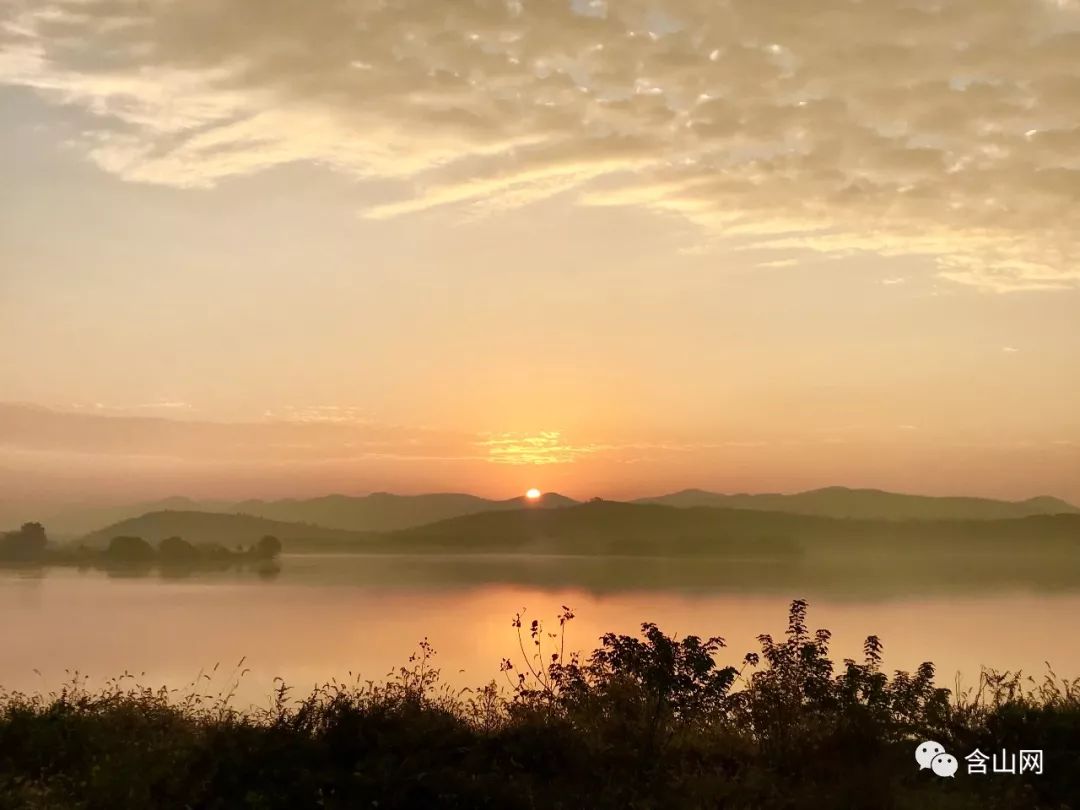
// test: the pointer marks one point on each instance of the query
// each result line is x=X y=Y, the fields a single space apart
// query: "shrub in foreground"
x=642 y=722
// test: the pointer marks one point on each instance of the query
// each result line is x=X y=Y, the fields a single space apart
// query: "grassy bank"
x=642 y=722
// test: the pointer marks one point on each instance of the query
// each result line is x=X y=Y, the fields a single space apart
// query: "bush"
x=267 y=548
x=642 y=722
x=26 y=545
x=130 y=549
x=177 y=551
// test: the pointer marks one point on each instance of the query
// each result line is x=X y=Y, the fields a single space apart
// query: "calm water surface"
x=326 y=616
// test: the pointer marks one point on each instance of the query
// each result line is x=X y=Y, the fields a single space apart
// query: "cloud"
x=164 y=404
x=311 y=434
x=335 y=414
x=315 y=434
x=551 y=447
x=945 y=130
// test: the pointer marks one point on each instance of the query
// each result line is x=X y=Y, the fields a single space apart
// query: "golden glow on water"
x=311 y=631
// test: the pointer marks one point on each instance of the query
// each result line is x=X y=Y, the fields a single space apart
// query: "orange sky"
x=54 y=456
x=286 y=249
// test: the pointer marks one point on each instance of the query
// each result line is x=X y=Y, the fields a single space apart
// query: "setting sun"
x=533 y=494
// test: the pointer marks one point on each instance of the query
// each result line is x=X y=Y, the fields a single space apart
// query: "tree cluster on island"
x=30 y=545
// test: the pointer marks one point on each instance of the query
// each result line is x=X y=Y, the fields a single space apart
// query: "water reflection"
x=863 y=578
x=324 y=617
x=267 y=570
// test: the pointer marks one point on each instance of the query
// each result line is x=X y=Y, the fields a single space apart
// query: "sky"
x=268 y=248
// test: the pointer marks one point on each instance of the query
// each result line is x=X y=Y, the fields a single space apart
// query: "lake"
x=325 y=616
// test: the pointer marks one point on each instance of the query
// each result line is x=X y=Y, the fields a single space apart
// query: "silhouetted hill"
x=870 y=504
x=226 y=530
x=383 y=511
x=610 y=527
x=604 y=527
x=78 y=520
x=380 y=511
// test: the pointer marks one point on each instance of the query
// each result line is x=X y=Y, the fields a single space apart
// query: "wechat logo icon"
x=932 y=755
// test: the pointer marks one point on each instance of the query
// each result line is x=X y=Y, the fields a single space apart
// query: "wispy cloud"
x=335 y=414
x=113 y=408
x=301 y=434
x=949 y=131
x=308 y=435
x=551 y=447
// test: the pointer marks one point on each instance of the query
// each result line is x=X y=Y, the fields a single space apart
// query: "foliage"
x=642 y=722
x=29 y=546
x=26 y=544
x=130 y=549
x=177 y=550
x=267 y=548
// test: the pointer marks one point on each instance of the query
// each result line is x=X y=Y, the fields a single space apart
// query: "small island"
x=29 y=546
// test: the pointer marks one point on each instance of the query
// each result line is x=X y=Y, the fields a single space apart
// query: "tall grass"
x=648 y=721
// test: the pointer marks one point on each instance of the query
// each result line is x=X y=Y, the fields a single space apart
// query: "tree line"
x=30 y=545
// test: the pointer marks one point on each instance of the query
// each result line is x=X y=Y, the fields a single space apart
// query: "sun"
x=533 y=494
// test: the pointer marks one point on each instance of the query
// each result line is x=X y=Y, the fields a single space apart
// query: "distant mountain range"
x=379 y=511
x=384 y=512
x=223 y=529
x=871 y=504
x=609 y=527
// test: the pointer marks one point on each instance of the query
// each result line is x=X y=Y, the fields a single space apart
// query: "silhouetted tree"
x=267 y=548
x=130 y=549
x=28 y=543
x=177 y=550
x=214 y=551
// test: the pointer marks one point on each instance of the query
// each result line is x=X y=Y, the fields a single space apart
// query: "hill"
x=384 y=512
x=380 y=511
x=870 y=504
x=610 y=527
x=226 y=530
x=614 y=528
x=604 y=527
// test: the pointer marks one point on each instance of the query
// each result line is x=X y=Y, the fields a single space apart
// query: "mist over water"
x=326 y=616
